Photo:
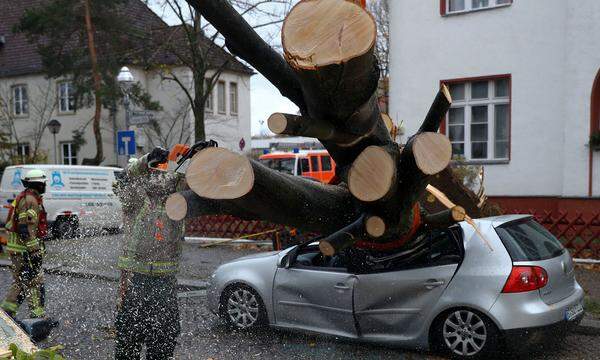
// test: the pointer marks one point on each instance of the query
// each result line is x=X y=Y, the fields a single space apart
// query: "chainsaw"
x=180 y=157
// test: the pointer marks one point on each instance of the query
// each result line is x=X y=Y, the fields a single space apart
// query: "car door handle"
x=341 y=286
x=431 y=284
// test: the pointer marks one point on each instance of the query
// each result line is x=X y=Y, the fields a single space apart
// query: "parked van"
x=77 y=197
x=314 y=164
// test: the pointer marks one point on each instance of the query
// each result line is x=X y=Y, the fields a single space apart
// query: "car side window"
x=326 y=163
x=444 y=247
x=310 y=258
x=314 y=163
x=304 y=165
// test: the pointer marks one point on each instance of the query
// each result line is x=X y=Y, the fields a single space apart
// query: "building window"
x=23 y=150
x=459 y=6
x=208 y=104
x=69 y=154
x=478 y=122
x=233 y=98
x=66 y=97
x=20 y=100
x=221 y=97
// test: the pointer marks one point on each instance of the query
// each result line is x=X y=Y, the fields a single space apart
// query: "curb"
x=112 y=276
x=588 y=326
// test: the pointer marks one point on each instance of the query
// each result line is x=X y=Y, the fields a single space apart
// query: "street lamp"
x=54 y=127
x=125 y=79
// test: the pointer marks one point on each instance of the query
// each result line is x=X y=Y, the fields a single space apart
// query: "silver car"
x=457 y=295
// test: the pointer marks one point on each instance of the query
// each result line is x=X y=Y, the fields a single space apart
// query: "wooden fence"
x=578 y=231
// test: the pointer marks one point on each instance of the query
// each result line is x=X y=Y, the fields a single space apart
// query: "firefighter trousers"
x=28 y=282
x=148 y=314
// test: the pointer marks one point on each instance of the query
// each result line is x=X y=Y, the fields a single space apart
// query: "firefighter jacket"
x=152 y=241
x=26 y=223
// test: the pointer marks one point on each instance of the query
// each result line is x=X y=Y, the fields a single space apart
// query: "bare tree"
x=194 y=43
x=172 y=128
x=380 y=10
x=42 y=103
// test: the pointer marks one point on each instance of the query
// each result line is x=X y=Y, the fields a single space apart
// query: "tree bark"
x=89 y=26
x=273 y=196
x=244 y=42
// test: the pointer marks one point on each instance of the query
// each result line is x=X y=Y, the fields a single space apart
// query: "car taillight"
x=525 y=278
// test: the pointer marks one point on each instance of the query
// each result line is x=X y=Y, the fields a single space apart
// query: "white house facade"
x=524 y=77
x=29 y=100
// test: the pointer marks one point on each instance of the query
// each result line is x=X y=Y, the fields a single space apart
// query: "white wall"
x=551 y=81
x=227 y=129
x=37 y=87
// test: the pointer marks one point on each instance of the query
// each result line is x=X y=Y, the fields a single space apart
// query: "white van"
x=77 y=197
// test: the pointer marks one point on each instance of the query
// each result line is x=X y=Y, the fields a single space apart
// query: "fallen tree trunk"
x=253 y=189
x=332 y=75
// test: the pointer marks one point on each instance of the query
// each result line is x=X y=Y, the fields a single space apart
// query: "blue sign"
x=126 y=142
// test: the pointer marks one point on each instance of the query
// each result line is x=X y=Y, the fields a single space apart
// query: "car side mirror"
x=286 y=260
x=283 y=261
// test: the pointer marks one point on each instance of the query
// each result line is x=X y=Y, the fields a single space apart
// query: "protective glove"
x=158 y=155
x=201 y=145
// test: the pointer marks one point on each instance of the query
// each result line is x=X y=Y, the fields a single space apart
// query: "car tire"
x=465 y=334
x=242 y=308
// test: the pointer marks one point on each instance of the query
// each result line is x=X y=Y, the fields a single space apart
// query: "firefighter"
x=27 y=227
x=148 y=312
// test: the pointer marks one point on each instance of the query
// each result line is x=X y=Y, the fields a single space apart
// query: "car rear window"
x=529 y=241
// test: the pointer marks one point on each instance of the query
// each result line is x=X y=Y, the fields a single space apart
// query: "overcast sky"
x=265 y=98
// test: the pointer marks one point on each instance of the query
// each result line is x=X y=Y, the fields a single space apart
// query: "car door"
x=314 y=298
x=396 y=304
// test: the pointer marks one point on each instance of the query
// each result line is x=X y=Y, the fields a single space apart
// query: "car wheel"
x=466 y=333
x=242 y=308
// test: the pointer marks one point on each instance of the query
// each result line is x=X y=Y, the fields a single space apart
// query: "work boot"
x=38 y=328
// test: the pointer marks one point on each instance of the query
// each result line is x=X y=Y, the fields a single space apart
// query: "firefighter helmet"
x=35 y=175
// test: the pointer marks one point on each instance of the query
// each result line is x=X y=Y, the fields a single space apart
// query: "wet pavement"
x=86 y=309
x=100 y=253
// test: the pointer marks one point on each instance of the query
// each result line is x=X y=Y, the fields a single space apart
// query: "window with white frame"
x=66 y=97
x=221 y=100
x=23 y=150
x=233 y=98
x=20 y=100
x=69 y=154
x=456 y=6
x=208 y=104
x=477 y=124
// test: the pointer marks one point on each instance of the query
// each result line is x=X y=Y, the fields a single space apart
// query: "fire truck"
x=312 y=164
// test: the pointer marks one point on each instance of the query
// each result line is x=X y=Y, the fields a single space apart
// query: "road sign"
x=126 y=142
x=141 y=117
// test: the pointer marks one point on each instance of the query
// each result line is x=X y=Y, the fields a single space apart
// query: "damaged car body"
x=455 y=294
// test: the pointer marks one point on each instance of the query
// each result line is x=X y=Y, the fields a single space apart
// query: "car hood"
x=256 y=256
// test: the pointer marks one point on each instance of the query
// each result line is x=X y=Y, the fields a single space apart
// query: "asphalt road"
x=100 y=253
x=86 y=309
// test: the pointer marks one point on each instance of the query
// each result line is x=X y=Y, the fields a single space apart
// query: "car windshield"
x=529 y=241
x=284 y=165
